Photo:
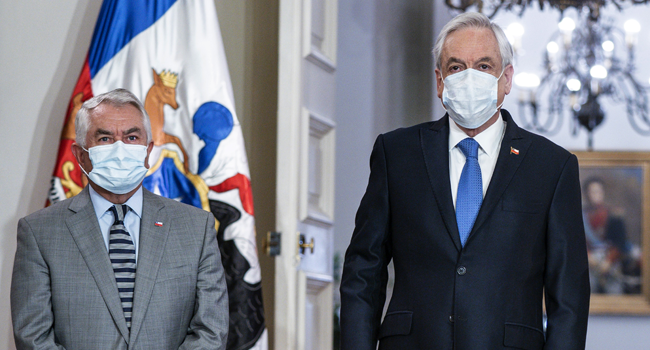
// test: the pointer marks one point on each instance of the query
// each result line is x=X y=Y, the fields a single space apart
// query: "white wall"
x=42 y=48
x=355 y=111
x=384 y=79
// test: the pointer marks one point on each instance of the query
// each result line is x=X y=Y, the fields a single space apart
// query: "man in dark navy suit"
x=480 y=218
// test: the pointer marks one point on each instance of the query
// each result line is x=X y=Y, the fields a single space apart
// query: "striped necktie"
x=470 y=189
x=121 y=251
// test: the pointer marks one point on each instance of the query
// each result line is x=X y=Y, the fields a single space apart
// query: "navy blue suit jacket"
x=528 y=240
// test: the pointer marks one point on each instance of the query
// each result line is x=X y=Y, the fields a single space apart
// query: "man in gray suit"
x=118 y=267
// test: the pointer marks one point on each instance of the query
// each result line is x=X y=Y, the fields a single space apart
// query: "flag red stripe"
x=241 y=182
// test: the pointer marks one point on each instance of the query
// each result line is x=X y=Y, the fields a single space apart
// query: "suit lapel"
x=513 y=150
x=151 y=247
x=435 y=146
x=85 y=231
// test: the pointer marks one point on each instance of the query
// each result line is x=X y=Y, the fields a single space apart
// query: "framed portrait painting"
x=616 y=214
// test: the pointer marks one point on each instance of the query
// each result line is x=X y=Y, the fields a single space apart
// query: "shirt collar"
x=488 y=140
x=101 y=204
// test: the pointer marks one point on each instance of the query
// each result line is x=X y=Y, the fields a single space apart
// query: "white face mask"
x=470 y=97
x=118 y=167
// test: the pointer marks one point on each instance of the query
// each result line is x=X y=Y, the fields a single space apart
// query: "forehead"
x=470 y=44
x=107 y=116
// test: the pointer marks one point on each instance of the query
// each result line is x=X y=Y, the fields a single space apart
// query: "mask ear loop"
x=443 y=90
x=504 y=100
x=80 y=167
x=500 y=75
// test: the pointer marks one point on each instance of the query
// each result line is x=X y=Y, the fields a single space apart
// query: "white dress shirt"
x=106 y=219
x=489 y=142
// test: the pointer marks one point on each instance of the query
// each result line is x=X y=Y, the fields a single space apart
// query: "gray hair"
x=474 y=20
x=116 y=98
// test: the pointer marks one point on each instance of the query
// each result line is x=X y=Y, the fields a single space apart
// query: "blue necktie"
x=470 y=189
x=121 y=251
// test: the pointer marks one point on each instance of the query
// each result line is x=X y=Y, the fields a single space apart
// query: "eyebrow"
x=455 y=60
x=103 y=132
x=133 y=130
x=458 y=60
x=485 y=59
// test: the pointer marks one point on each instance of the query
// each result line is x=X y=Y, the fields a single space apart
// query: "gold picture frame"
x=616 y=212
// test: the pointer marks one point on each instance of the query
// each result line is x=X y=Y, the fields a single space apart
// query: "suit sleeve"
x=31 y=296
x=209 y=325
x=567 y=272
x=363 y=283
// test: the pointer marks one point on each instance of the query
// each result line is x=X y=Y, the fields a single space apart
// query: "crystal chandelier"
x=491 y=7
x=585 y=63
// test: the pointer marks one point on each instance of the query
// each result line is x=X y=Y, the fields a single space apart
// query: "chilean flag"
x=170 y=54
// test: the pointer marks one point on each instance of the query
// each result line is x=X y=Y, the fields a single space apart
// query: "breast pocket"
x=174 y=271
x=519 y=205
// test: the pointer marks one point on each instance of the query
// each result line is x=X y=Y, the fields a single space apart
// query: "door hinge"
x=272 y=243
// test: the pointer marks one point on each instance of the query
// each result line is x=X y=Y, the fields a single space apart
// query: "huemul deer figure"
x=163 y=92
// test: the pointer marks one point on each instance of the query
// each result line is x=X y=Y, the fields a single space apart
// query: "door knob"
x=302 y=245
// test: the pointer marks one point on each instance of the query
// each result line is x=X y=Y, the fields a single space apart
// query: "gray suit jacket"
x=64 y=294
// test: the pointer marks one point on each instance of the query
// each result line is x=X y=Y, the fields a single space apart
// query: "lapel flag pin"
x=514 y=151
x=158 y=223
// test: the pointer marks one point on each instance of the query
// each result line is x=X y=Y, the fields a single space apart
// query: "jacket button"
x=451 y=318
x=461 y=270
